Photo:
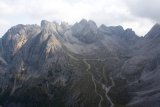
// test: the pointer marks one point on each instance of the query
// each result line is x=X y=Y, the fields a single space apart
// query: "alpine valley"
x=80 y=65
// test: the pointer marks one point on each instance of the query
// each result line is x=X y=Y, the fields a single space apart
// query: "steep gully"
x=107 y=89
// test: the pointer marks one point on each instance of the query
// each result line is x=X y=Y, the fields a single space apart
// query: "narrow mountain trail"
x=99 y=105
x=88 y=68
x=107 y=89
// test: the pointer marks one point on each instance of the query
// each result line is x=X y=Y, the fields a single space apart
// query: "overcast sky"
x=140 y=15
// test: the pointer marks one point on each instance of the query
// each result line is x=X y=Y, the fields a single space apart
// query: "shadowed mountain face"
x=80 y=65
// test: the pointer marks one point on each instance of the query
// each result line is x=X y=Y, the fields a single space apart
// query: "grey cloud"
x=145 y=8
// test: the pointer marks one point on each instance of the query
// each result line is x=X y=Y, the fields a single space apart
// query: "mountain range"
x=80 y=65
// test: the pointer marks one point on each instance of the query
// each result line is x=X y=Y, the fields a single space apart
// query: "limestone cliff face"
x=78 y=65
x=15 y=39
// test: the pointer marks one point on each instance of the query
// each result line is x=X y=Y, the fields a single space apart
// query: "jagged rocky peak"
x=154 y=32
x=102 y=26
x=20 y=32
x=15 y=38
x=21 y=29
x=85 y=25
x=83 y=22
x=130 y=36
x=112 y=30
x=49 y=26
x=129 y=32
x=16 y=29
x=85 y=31
x=65 y=25
x=92 y=24
x=118 y=28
